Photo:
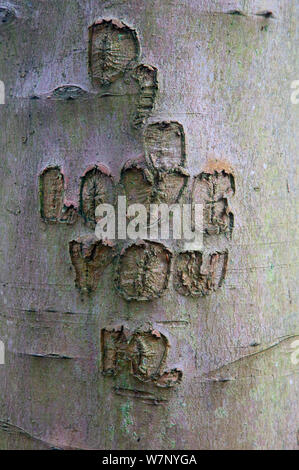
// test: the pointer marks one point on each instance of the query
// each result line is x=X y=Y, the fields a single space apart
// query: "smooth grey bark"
x=226 y=78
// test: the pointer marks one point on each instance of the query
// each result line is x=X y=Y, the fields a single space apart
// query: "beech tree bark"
x=221 y=70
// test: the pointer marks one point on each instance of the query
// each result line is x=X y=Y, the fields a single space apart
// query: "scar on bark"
x=113 y=50
x=146 y=77
x=266 y=14
x=7 y=15
x=141 y=395
x=53 y=207
x=142 y=353
x=252 y=366
x=236 y=13
x=143 y=271
x=212 y=188
x=192 y=279
x=97 y=187
x=90 y=257
x=67 y=92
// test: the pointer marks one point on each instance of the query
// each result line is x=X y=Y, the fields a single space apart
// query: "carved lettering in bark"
x=146 y=77
x=212 y=189
x=137 y=181
x=96 y=188
x=142 y=353
x=170 y=186
x=143 y=271
x=192 y=279
x=90 y=257
x=52 y=205
x=165 y=152
x=165 y=145
x=113 y=48
x=144 y=185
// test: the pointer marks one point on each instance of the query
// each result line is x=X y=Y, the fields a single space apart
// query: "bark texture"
x=207 y=371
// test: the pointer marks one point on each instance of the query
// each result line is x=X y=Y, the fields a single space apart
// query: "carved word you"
x=143 y=268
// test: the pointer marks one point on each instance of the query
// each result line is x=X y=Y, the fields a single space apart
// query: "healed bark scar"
x=7 y=15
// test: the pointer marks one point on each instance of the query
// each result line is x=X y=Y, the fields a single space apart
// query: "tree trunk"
x=91 y=363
